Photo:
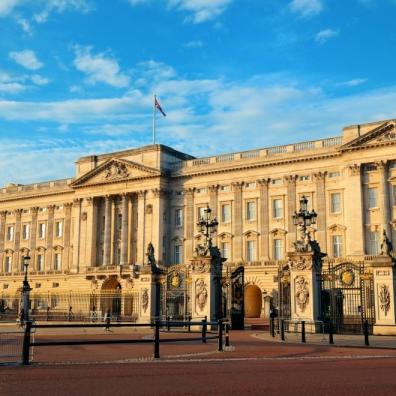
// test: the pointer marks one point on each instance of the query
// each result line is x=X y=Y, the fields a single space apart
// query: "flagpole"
x=154 y=117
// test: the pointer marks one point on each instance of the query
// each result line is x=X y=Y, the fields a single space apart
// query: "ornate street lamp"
x=304 y=219
x=25 y=290
x=207 y=226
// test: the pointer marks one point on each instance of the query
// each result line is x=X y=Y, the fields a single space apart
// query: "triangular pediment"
x=115 y=170
x=383 y=134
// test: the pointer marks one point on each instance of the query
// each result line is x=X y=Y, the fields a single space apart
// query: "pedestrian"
x=70 y=315
x=107 y=320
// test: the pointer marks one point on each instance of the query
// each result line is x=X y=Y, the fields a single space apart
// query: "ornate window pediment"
x=114 y=170
x=337 y=228
x=278 y=232
x=224 y=236
x=251 y=234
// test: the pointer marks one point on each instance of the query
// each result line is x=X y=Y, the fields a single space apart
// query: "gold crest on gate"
x=175 y=280
x=347 y=277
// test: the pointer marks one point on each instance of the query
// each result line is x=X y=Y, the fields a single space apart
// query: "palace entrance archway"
x=110 y=297
x=253 y=301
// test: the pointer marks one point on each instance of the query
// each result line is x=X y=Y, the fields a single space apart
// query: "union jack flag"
x=158 y=106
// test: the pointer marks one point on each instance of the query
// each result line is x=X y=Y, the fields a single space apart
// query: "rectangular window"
x=40 y=262
x=25 y=231
x=179 y=217
x=338 y=246
x=278 y=249
x=373 y=246
x=41 y=231
x=372 y=197
x=8 y=264
x=251 y=251
x=10 y=233
x=277 y=205
x=225 y=250
x=57 y=262
x=58 y=229
x=335 y=202
x=202 y=212
x=178 y=254
x=225 y=213
x=251 y=210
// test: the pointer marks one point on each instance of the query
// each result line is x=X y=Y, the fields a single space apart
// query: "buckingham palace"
x=89 y=233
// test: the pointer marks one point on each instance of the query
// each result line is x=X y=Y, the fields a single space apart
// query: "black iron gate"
x=347 y=297
x=237 y=299
x=284 y=304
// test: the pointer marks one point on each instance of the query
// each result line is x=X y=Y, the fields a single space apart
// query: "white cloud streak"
x=26 y=58
x=306 y=8
x=99 y=68
x=324 y=35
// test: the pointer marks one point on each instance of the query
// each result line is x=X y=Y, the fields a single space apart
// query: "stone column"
x=384 y=197
x=291 y=208
x=189 y=223
x=213 y=193
x=67 y=234
x=238 y=221
x=76 y=234
x=320 y=179
x=107 y=231
x=33 y=237
x=264 y=218
x=141 y=228
x=17 y=242
x=124 y=229
x=384 y=296
x=89 y=231
x=50 y=237
x=353 y=203
x=3 y=216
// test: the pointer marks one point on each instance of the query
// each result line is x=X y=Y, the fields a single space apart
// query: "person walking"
x=107 y=320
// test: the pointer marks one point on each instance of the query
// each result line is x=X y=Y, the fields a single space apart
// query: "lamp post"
x=207 y=226
x=304 y=219
x=25 y=290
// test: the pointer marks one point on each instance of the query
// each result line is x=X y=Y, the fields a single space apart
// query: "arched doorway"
x=110 y=297
x=253 y=301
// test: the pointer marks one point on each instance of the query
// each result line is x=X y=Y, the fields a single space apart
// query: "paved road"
x=253 y=367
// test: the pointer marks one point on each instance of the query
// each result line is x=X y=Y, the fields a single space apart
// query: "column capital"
x=51 y=208
x=68 y=205
x=159 y=192
x=319 y=176
x=3 y=214
x=354 y=169
x=141 y=193
x=90 y=201
x=291 y=179
x=237 y=186
x=213 y=188
x=18 y=212
x=34 y=209
x=76 y=201
x=189 y=191
x=381 y=165
x=264 y=182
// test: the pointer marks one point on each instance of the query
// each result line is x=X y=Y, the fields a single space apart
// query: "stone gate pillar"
x=305 y=271
x=384 y=296
x=206 y=290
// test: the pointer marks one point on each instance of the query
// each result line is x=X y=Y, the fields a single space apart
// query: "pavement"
x=253 y=365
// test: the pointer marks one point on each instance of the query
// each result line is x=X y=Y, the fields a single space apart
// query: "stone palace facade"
x=89 y=232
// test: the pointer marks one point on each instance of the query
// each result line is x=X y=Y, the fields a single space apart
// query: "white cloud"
x=27 y=59
x=324 y=35
x=353 y=83
x=25 y=25
x=194 y=44
x=60 y=6
x=306 y=8
x=39 y=80
x=11 y=84
x=199 y=10
x=99 y=68
x=7 y=6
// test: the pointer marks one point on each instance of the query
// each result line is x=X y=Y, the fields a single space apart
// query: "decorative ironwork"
x=304 y=219
x=237 y=299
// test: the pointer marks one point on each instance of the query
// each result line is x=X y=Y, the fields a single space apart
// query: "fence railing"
x=222 y=330
x=11 y=343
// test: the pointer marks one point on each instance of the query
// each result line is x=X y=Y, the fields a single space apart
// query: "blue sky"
x=77 y=76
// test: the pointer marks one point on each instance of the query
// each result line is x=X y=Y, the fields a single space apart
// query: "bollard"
x=203 y=331
x=167 y=321
x=26 y=344
x=272 y=327
x=331 y=340
x=303 y=331
x=282 y=328
x=189 y=323
x=227 y=335
x=366 y=333
x=220 y=335
x=156 y=339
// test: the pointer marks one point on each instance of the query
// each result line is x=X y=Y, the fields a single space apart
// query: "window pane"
x=179 y=217
x=372 y=197
x=338 y=247
x=251 y=211
x=225 y=250
x=226 y=213
x=278 y=249
x=335 y=202
x=251 y=251
x=178 y=254
x=373 y=246
x=277 y=208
